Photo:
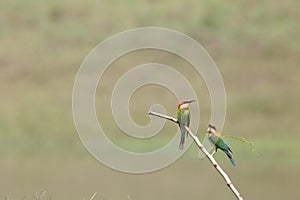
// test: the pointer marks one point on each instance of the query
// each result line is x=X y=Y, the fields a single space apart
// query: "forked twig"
x=208 y=155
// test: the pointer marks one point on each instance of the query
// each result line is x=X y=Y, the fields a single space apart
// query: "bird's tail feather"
x=182 y=139
x=232 y=161
x=230 y=157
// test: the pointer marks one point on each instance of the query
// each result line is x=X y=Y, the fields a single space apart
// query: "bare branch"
x=209 y=156
x=163 y=116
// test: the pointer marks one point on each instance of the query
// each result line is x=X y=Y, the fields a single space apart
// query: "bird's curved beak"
x=191 y=101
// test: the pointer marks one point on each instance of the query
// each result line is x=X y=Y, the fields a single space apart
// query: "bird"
x=183 y=119
x=219 y=142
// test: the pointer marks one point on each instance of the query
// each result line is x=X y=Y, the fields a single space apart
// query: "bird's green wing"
x=221 y=144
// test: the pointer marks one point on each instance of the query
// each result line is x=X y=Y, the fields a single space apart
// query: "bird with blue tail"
x=183 y=118
x=219 y=142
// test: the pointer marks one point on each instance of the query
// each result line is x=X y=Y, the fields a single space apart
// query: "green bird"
x=183 y=118
x=219 y=142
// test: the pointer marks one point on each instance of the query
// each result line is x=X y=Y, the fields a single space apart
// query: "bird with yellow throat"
x=183 y=118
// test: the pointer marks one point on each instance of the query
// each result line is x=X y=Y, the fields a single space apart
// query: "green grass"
x=255 y=45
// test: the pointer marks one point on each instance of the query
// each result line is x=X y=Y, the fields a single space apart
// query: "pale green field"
x=256 y=46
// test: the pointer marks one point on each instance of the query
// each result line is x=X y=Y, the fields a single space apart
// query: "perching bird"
x=183 y=117
x=216 y=138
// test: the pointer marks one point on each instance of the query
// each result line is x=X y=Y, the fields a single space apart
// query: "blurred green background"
x=256 y=45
